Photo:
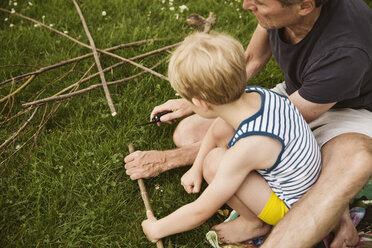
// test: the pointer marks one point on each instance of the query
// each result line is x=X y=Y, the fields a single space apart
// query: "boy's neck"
x=235 y=112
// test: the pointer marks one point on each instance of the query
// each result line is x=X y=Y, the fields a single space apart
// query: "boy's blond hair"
x=210 y=67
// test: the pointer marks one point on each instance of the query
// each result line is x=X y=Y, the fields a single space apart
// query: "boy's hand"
x=192 y=181
x=179 y=108
x=148 y=226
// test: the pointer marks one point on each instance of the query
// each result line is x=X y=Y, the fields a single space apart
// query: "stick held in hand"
x=145 y=197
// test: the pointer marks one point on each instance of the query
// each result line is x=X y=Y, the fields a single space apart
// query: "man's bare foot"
x=239 y=230
x=346 y=234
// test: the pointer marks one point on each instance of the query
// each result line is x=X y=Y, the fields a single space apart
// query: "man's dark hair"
x=290 y=2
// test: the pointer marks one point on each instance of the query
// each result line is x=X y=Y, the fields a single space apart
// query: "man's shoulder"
x=347 y=24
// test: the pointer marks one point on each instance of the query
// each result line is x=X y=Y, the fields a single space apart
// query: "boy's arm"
x=258 y=52
x=255 y=152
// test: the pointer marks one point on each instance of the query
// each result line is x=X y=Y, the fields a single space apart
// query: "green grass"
x=71 y=189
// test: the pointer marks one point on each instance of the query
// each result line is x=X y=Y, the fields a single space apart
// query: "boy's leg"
x=255 y=193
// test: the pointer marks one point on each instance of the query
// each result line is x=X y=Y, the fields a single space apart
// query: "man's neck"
x=295 y=33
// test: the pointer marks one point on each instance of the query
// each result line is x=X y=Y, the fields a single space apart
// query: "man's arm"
x=309 y=110
x=258 y=52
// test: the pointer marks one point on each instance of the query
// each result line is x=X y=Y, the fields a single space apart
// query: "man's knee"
x=348 y=159
x=211 y=163
x=191 y=130
x=222 y=132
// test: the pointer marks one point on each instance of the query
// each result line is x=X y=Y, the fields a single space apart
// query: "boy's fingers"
x=196 y=188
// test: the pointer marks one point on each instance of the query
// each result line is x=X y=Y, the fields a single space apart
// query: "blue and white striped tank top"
x=299 y=163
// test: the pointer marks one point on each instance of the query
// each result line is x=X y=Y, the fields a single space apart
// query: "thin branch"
x=145 y=197
x=77 y=84
x=69 y=61
x=19 y=65
x=133 y=58
x=96 y=58
x=21 y=146
x=79 y=92
x=59 y=78
x=24 y=111
x=87 y=46
x=19 y=89
x=19 y=130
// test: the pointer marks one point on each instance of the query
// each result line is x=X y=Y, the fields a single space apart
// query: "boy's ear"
x=203 y=105
x=306 y=7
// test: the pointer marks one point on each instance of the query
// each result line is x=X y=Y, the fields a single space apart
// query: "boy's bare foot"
x=346 y=234
x=239 y=230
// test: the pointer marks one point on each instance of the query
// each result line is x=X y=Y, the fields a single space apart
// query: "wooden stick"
x=98 y=63
x=19 y=89
x=92 y=87
x=87 y=46
x=69 y=61
x=145 y=197
x=19 y=130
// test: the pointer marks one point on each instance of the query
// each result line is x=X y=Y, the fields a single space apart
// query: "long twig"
x=79 y=92
x=123 y=62
x=87 y=46
x=76 y=85
x=19 y=130
x=24 y=111
x=145 y=197
x=18 y=65
x=96 y=58
x=59 y=78
x=69 y=61
x=19 y=89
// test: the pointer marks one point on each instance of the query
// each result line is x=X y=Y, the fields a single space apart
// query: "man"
x=323 y=48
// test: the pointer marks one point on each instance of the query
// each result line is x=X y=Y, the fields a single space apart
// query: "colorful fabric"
x=274 y=210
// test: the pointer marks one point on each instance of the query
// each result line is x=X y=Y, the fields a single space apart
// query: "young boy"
x=269 y=136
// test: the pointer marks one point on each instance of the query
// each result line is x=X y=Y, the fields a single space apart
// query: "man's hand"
x=179 y=108
x=192 y=180
x=149 y=228
x=144 y=164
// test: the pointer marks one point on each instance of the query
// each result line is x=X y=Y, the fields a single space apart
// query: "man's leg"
x=187 y=137
x=347 y=167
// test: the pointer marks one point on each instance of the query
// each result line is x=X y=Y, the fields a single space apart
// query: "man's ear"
x=203 y=105
x=306 y=7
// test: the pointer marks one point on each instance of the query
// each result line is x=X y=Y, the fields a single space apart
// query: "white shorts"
x=337 y=121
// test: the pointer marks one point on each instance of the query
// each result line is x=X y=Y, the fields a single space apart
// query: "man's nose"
x=249 y=5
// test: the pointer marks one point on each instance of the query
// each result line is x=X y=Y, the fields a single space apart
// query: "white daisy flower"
x=183 y=7
x=171 y=8
x=104 y=13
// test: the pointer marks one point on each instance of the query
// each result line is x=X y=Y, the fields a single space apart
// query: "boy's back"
x=298 y=164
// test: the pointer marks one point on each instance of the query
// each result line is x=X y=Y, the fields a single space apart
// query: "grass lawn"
x=62 y=182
